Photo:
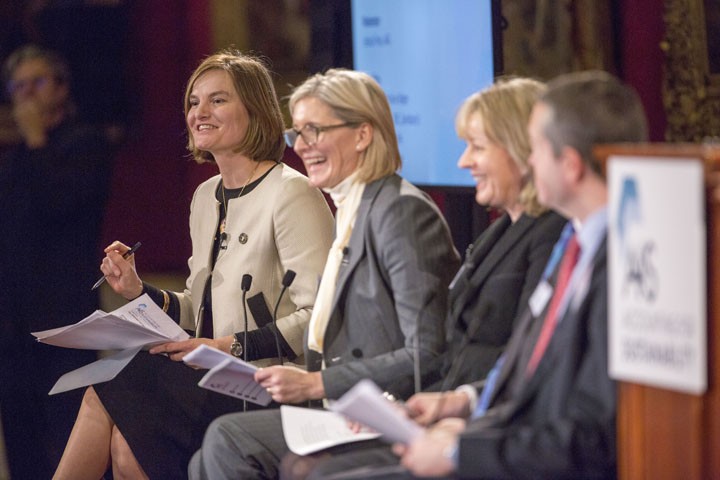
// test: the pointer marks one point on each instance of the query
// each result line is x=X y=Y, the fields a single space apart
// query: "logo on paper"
x=640 y=277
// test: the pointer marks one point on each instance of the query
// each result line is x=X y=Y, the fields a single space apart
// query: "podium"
x=666 y=434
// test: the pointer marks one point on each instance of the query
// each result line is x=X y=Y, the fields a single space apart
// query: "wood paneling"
x=664 y=434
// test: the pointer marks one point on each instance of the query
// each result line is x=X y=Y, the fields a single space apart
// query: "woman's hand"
x=120 y=272
x=290 y=384
x=177 y=350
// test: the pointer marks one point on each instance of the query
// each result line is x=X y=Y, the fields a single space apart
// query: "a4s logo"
x=640 y=277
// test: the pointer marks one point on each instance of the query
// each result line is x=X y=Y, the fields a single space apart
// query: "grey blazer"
x=392 y=287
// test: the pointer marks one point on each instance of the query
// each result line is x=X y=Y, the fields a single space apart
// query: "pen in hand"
x=127 y=254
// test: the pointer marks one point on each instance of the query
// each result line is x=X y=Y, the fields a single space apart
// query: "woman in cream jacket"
x=258 y=217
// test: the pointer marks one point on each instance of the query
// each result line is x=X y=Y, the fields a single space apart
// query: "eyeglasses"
x=311 y=133
x=15 y=86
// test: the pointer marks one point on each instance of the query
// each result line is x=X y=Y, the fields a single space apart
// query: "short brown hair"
x=254 y=86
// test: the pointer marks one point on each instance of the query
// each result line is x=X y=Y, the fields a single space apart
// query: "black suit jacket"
x=559 y=423
x=497 y=278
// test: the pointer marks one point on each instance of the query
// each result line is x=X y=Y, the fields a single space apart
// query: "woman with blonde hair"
x=503 y=266
x=501 y=269
x=382 y=298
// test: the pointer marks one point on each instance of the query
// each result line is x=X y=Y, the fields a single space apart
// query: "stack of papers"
x=228 y=375
x=139 y=323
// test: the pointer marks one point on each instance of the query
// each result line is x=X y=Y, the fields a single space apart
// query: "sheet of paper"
x=100 y=371
x=308 y=430
x=366 y=404
x=138 y=323
x=235 y=380
x=148 y=314
x=53 y=331
x=209 y=357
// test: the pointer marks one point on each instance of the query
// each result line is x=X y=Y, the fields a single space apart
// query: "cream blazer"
x=282 y=224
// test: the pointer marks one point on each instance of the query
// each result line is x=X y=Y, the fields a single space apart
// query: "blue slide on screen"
x=428 y=55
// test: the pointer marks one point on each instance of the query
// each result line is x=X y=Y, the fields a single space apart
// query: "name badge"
x=540 y=297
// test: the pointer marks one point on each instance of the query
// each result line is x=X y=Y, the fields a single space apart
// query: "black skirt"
x=162 y=413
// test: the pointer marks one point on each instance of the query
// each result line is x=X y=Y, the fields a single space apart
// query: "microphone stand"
x=245 y=286
x=286 y=282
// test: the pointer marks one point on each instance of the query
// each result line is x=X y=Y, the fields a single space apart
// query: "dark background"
x=131 y=59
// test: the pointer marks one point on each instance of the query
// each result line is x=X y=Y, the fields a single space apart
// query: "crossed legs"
x=94 y=442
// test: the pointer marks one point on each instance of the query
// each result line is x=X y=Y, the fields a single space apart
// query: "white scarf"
x=346 y=196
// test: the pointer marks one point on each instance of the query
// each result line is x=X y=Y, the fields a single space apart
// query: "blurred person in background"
x=53 y=190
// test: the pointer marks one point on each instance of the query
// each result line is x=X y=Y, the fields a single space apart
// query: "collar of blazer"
x=356 y=245
x=488 y=253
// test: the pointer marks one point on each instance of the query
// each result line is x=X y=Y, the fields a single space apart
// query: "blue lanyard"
x=555 y=257
x=558 y=251
x=484 y=401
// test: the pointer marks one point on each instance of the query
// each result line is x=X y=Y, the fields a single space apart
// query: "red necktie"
x=570 y=258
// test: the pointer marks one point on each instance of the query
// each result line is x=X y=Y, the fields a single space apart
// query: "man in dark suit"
x=548 y=407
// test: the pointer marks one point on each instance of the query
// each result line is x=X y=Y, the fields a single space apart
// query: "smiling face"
x=336 y=154
x=216 y=118
x=498 y=179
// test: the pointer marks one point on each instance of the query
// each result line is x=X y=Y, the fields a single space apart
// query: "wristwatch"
x=236 y=347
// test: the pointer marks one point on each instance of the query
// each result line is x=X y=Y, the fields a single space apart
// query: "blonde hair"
x=355 y=97
x=264 y=137
x=505 y=110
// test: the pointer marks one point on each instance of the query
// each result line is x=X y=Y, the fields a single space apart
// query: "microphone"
x=286 y=282
x=245 y=286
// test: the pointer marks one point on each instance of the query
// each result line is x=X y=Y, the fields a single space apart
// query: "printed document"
x=366 y=404
x=139 y=323
x=228 y=375
x=308 y=430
